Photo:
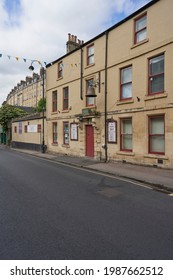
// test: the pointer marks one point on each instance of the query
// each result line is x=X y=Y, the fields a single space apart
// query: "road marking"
x=101 y=173
x=171 y=194
x=86 y=169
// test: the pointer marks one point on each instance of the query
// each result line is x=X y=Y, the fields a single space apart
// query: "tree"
x=7 y=113
x=41 y=104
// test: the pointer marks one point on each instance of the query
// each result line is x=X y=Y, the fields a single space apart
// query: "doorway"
x=89 y=141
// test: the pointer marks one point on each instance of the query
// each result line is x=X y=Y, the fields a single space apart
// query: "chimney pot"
x=69 y=36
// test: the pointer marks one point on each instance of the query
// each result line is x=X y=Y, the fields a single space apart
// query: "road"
x=52 y=211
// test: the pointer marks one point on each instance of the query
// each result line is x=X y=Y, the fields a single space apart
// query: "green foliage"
x=41 y=104
x=7 y=113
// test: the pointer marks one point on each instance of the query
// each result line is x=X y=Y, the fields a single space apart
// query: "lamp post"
x=31 y=67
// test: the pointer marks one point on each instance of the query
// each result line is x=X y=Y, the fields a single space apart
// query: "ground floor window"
x=55 y=132
x=156 y=134
x=66 y=133
x=126 y=134
x=39 y=128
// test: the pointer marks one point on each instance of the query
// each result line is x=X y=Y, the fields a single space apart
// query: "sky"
x=38 y=30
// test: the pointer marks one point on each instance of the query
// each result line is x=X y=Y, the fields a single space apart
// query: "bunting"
x=17 y=58
x=21 y=58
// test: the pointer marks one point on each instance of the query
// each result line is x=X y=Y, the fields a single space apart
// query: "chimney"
x=73 y=43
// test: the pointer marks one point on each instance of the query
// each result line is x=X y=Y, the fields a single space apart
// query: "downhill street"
x=52 y=211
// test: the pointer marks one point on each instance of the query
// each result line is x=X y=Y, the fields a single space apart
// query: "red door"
x=89 y=141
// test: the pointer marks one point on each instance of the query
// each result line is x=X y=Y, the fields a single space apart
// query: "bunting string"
x=21 y=58
x=17 y=58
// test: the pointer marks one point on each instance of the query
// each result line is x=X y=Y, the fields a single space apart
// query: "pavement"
x=159 y=178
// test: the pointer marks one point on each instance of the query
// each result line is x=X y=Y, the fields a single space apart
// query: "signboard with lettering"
x=112 y=132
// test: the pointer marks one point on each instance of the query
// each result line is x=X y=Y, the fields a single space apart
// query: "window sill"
x=125 y=153
x=58 y=79
x=140 y=43
x=90 y=65
x=155 y=156
x=54 y=113
x=65 y=111
x=125 y=101
x=54 y=144
x=155 y=96
x=65 y=146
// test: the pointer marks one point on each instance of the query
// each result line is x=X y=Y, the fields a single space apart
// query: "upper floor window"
x=65 y=98
x=156 y=75
x=126 y=83
x=89 y=100
x=90 y=54
x=60 y=70
x=54 y=101
x=156 y=134
x=140 y=29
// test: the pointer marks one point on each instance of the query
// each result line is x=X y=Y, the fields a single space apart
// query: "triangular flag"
x=24 y=59
x=9 y=56
x=17 y=58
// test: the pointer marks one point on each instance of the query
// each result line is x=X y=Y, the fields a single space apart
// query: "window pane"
x=141 y=23
x=127 y=91
x=65 y=92
x=157 y=144
x=157 y=84
x=126 y=75
x=157 y=65
x=91 y=50
x=91 y=60
x=127 y=142
x=127 y=126
x=157 y=126
x=140 y=36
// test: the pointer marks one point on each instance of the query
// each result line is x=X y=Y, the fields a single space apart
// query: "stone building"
x=27 y=92
x=112 y=97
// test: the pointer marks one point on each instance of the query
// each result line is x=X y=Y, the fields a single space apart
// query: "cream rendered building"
x=27 y=93
x=129 y=67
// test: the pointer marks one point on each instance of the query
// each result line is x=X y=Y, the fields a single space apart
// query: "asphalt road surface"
x=52 y=211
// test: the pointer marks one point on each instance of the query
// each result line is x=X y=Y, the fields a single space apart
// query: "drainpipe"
x=81 y=74
x=105 y=109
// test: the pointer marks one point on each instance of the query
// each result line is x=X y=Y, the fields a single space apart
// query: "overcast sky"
x=38 y=29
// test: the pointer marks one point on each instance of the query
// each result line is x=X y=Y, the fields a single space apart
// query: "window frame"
x=155 y=135
x=39 y=128
x=88 y=99
x=65 y=99
x=54 y=101
x=90 y=56
x=55 y=133
x=155 y=75
x=64 y=133
x=136 y=32
x=124 y=84
x=123 y=134
x=60 y=70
